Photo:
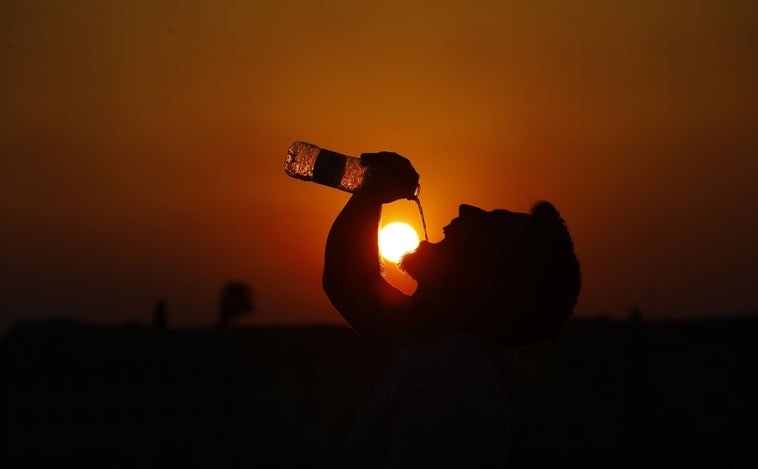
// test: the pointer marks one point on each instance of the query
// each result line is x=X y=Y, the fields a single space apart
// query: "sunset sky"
x=142 y=144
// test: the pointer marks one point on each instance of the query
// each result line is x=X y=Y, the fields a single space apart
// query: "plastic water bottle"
x=310 y=163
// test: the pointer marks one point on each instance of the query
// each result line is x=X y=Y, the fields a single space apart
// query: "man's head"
x=512 y=277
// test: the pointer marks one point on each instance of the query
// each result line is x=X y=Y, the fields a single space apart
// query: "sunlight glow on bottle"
x=308 y=162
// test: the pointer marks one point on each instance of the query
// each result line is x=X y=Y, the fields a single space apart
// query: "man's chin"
x=411 y=262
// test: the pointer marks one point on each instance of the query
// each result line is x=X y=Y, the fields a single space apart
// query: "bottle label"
x=329 y=168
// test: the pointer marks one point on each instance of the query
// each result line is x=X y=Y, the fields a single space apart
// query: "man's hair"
x=533 y=285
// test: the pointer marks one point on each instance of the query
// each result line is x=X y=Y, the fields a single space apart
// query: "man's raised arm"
x=352 y=272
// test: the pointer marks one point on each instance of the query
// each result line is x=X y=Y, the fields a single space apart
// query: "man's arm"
x=352 y=271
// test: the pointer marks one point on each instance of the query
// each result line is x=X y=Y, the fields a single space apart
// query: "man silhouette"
x=498 y=280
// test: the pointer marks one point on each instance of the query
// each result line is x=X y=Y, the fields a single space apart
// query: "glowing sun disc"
x=395 y=239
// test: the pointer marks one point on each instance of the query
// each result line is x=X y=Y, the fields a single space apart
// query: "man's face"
x=433 y=262
x=470 y=238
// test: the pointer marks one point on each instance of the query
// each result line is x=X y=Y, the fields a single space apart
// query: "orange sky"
x=142 y=144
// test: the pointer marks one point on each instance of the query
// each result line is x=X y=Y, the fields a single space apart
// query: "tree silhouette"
x=160 y=315
x=235 y=300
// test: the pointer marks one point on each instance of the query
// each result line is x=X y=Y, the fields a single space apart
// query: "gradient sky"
x=142 y=144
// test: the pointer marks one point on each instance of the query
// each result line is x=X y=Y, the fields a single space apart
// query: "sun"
x=395 y=239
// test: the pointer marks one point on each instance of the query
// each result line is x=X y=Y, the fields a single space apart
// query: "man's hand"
x=390 y=177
